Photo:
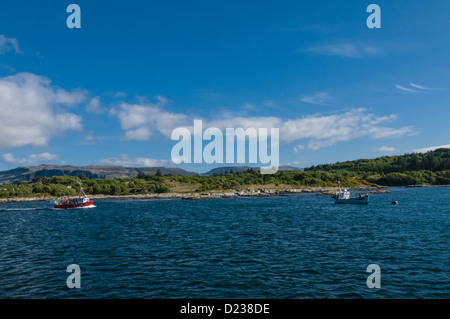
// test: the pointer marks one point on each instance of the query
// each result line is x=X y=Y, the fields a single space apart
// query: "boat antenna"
x=82 y=193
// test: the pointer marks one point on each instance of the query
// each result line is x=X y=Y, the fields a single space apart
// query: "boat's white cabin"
x=344 y=194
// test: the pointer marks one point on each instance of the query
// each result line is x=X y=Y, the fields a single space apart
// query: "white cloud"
x=322 y=130
x=294 y=163
x=31 y=159
x=385 y=149
x=140 y=134
x=431 y=148
x=262 y=122
x=8 y=44
x=32 y=110
x=298 y=148
x=328 y=130
x=140 y=120
x=417 y=86
x=245 y=122
x=320 y=98
x=126 y=160
x=406 y=89
x=345 y=49
x=94 y=106
x=377 y=132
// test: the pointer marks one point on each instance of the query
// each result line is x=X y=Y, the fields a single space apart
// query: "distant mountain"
x=222 y=170
x=92 y=171
x=290 y=168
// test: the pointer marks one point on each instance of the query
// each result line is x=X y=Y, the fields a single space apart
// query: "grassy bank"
x=50 y=187
x=246 y=183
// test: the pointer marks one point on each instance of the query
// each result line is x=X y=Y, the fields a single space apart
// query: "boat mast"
x=82 y=193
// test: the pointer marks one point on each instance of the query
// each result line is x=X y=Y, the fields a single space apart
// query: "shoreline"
x=262 y=192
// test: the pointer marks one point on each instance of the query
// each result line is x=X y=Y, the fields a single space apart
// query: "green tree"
x=140 y=175
x=414 y=163
x=403 y=165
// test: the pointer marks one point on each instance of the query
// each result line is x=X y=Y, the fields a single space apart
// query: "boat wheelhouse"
x=82 y=201
x=343 y=196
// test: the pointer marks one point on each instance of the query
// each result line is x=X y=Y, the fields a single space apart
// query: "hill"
x=432 y=168
x=92 y=171
x=227 y=169
x=435 y=161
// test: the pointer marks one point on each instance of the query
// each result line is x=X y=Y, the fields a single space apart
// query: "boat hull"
x=73 y=206
x=356 y=200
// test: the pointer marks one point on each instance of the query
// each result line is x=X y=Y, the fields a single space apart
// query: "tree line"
x=434 y=161
x=411 y=169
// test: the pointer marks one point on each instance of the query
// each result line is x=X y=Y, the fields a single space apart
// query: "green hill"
x=431 y=168
x=92 y=172
x=438 y=160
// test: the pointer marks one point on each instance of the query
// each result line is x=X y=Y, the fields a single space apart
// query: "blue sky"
x=112 y=91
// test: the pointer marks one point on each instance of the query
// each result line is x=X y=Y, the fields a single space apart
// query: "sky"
x=112 y=91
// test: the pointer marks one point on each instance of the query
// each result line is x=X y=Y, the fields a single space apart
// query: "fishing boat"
x=343 y=196
x=82 y=201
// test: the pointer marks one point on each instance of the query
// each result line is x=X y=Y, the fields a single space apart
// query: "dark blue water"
x=280 y=247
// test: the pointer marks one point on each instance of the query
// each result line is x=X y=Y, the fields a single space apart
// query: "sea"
x=286 y=247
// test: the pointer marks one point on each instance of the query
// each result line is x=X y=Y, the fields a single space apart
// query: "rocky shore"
x=262 y=192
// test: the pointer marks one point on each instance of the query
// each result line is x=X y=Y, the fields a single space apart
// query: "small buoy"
x=395 y=203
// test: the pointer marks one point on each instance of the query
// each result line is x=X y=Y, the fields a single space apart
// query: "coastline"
x=261 y=192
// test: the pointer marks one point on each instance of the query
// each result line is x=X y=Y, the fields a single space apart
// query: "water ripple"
x=285 y=247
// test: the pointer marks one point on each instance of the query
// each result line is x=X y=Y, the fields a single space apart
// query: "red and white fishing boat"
x=69 y=203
